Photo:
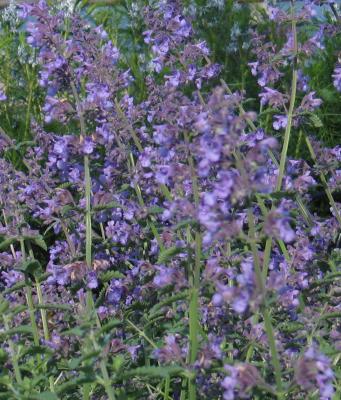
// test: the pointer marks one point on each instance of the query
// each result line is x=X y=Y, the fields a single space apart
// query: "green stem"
x=194 y=319
x=107 y=383
x=88 y=258
x=42 y=313
x=291 y=105
x=267 y=255
x=29 y=104
x=88 y=238
x=45 y=324
x=79 y=109
x=31 y=309
x=273 y=351
x=105 y=375
x=266 y=316
x=29 y=299
x=16 y=368
x=142 y=334
x=167 y=388
x=88 y=248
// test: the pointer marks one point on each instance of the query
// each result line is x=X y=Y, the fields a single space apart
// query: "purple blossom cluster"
x=157 y=232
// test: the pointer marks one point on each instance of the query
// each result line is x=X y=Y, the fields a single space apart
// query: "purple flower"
x=254 y=68
x=211 y=351
x=174 y=79
x=272 y=97
x=118 y=231
x=115 y=292
x=3 y=96
x=241 y=379
x=170 y=352
x=277 y=224
x=309 y=103
x=280 y=122
x=91 y=279
x=168 y=275
x=313 y=371
x=240 y=295
x=99 y=95
x=111 y=52
x=133 y=351
x=230 y=383
x=88 y=145
x=302 y=81
x=11 y=277
x=337 y=78
x=102 y=312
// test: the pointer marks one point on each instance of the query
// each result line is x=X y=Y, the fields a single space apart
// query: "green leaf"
x=117 y=363
x=17 y=286
x=108 y=206
x=46 y=396
x=4 y=305
x=76 y=331
x=154 y=372
x=36 y=239
x=316 y=121
x=36 y=350
x=101 y=296
x=155 y=210
x=71 y=207
x=18 y=309
x=167 y=254
x=3 y=356
x=72 y=384
x=109 y=326
x=185 y=224
x=7 y=242
x=167 y=301
x=281 y=195
x=108 y=275
x=53 y=306
x=23 y=329
x=31 y=267
x=75 y=362
x=331 y=315
x=43 y=277
x=328 y=95
x=24 y=143
x=39 y=241
x=65 y=185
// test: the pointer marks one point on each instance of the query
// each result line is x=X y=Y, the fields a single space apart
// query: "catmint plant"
x=166 y=245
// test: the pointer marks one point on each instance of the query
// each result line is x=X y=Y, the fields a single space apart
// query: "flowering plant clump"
x=168 y=245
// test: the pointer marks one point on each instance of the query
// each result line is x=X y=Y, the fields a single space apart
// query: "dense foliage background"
x=170 y=200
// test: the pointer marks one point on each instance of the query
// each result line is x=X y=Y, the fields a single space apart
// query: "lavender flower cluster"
x=170 y=248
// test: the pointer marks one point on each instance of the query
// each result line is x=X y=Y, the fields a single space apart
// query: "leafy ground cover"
x=170 y=201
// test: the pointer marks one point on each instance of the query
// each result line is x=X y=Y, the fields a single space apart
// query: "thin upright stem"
x=88 y=224
x=29 y=104
x=29 y=299
x=264 y=311
x=90 y=306
x=194 y=319
x=291 y=104
x=16 y=368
